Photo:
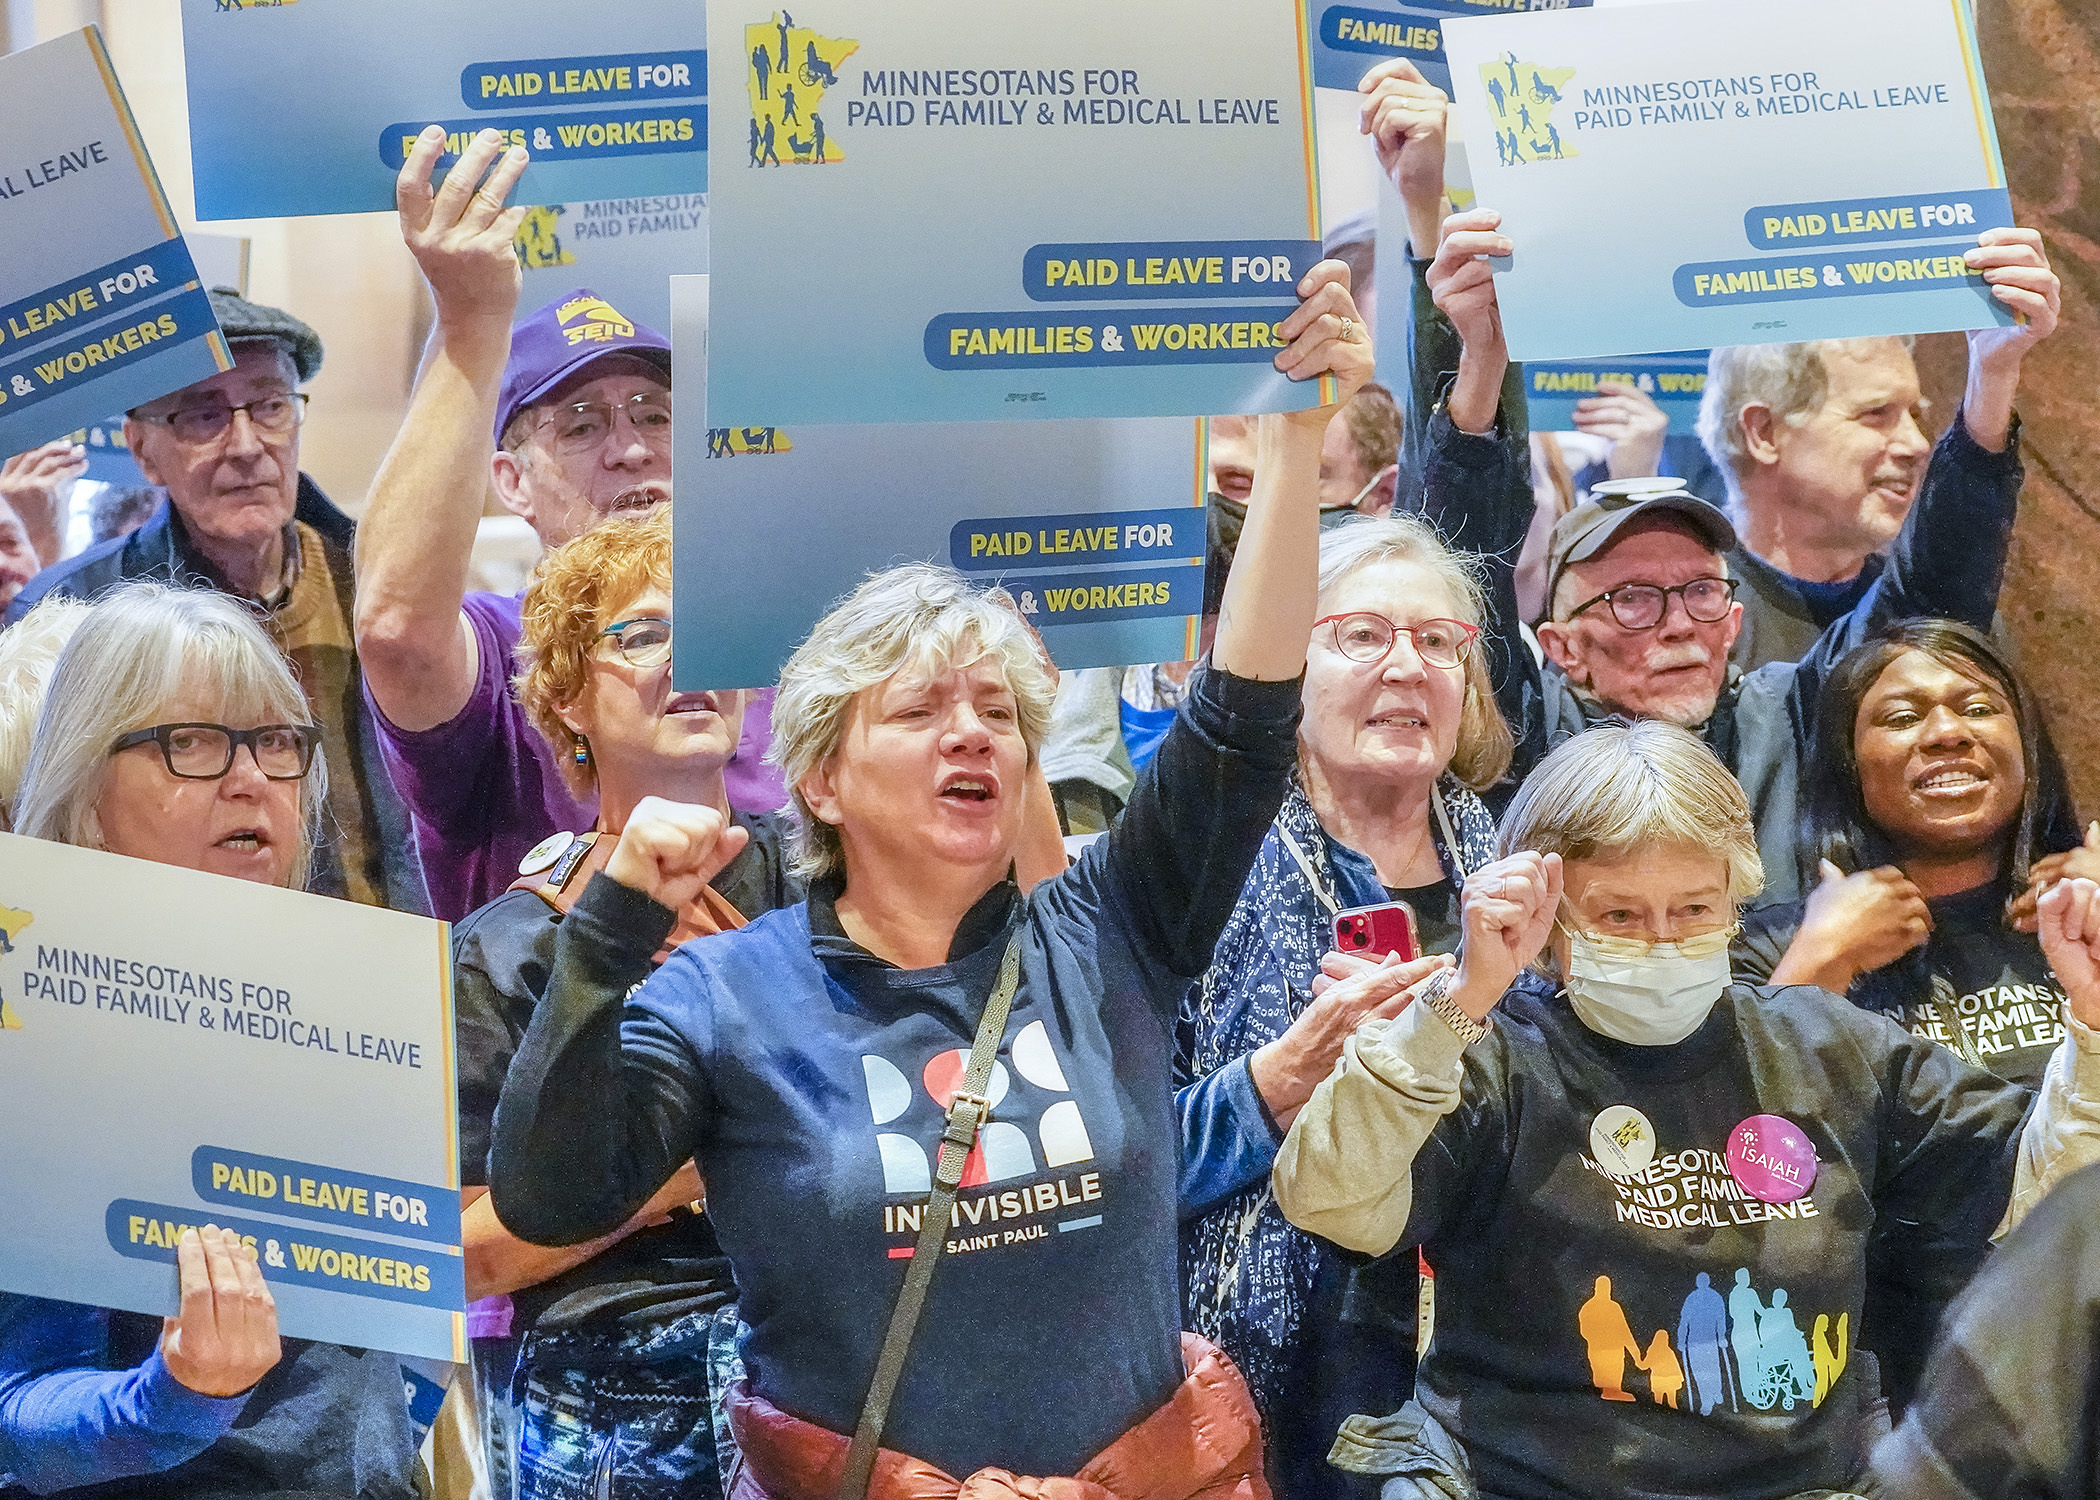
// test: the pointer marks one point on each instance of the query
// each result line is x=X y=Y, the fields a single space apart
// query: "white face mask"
x=1652 y=995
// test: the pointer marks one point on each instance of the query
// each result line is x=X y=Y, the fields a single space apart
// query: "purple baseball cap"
x=564 y=336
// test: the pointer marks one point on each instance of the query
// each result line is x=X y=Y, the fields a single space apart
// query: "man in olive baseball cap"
x=1642 y=611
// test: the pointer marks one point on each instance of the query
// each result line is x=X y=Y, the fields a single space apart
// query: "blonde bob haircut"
x=1485 y=744
x=574 y=592
x=918 y=619
x=1619 y=788
x=139 y=649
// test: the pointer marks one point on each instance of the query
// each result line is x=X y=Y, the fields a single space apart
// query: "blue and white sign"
x=1351 y=37
x=1675 y=382
x=624 y=249
x=180 y=1049
x=1823 y=166
x=1096 y=528
x=310 y=107
x=100 y=307
x=928 y=210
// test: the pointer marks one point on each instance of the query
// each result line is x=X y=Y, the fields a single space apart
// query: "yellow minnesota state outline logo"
x=600 y=321
x=1521 y=98
x=538 y=241
x=788 y=69
x=11 y=924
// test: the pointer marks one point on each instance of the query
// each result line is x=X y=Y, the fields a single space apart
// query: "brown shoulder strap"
x=563 y=881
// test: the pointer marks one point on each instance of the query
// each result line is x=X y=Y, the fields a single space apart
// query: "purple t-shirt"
x=752 y=784
x=485 y=786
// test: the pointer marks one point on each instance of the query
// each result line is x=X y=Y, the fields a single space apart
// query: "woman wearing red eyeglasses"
x=1400 y=729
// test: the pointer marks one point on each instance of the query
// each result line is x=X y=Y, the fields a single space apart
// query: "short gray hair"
x=1790 y=380
x=919 y=618
x=28 y=655
x=1485 y=745
x=135 y=652
x=1621 y=787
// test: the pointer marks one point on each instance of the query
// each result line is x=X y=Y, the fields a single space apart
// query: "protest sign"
x=624 y=249
x=100 y=307
x=1681 y=176
x=1673 y=381
x=611 y=101
x=1351 y=37
x=924 y=210
x=1095 y=528
x=178 y=1048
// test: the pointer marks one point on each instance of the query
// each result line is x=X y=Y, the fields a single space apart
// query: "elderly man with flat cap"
x=1642 y=613
x=240 y=518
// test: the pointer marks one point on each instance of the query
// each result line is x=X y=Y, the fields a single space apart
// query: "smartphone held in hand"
x=1375 y=931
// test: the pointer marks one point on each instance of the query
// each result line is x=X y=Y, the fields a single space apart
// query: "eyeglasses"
x=582 y=427
x=204 y=752
x=1369 y=638
x=642 y=642
x=1641 y=606
x=272 y=416
x=1703 y=944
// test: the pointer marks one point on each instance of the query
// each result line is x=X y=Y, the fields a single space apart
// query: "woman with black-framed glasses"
x=1400 y=730
x=173 y=730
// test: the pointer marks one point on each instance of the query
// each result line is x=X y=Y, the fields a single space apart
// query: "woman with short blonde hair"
x=918 y=620
x=924 y=1043
x=1648 y=1192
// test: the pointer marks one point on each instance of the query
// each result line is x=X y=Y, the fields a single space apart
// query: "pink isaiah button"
x=1771 y=1159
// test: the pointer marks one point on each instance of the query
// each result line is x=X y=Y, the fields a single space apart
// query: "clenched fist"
x=668 y=850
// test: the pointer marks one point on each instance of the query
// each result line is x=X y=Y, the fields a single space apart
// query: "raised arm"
x=1346 y=1170
x=416 y=538
x=1267 y=614
x=1177 y=857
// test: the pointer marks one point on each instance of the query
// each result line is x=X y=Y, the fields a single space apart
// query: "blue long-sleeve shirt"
x=66 y=1422
x=809 y=1078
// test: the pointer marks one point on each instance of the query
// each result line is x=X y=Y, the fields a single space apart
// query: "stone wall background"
x=2042 y=58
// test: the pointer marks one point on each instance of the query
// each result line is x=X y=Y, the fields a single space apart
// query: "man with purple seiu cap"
x=568 y=417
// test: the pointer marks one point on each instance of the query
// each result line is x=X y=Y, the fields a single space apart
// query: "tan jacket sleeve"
x=1345 y=1169
x=2062 y=1132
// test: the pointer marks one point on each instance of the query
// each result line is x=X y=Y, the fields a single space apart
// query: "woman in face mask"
x=1647 y=1192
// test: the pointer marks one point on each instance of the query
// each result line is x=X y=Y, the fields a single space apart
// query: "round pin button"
x=543 y=854
x=1622 y=1141
x=1770 y=1159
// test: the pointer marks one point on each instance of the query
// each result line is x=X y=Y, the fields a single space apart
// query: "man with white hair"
x=568 y=418
x=241 y=519
x=1821 y=451
x=1642 y=612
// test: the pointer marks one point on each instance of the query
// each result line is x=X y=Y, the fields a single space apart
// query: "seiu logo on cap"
x=601 y=322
